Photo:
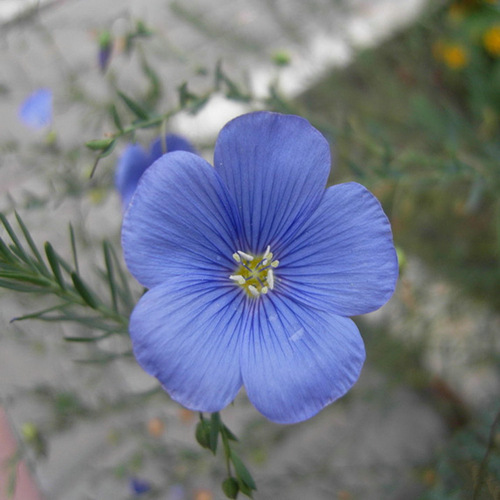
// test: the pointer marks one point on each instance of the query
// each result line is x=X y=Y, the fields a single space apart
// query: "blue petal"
x=132 y=164
x=296 y=360
x=185 y=333
x=173 y=142
x=181 y=220
x=344 y=259
x=276 y=167
x=36 y=110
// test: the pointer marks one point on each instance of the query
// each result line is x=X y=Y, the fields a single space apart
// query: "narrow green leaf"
x=73 y=247
x=185 y=96
x=214 y=431
x=126 y=293
x=17 y=287
x=32 y=245
x=105 y=152
x=15 y=275
x=106 y=358
x=110 y=273
x=84 y=292
x=37 y=314
x=116 y=118
x=197 y=104
x=219 y=75
x=88 y=339
x=93 y=323
x=155 y=91
x=63 y=263
x=20 y=249
x=233 y=91
x=134 y=106
x=54 y=264
x=6 y=253
x=242 y=472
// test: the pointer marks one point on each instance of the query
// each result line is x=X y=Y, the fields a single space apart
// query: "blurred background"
x=408 y=95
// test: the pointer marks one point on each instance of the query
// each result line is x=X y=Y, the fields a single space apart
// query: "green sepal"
x=228 y=433
x=214 y=431
x=242 y=472
x=100 y=144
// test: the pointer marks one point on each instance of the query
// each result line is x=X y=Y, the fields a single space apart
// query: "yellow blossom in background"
x=454 y=56
x=491 y=40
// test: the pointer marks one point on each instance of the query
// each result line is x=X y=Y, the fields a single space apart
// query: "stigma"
x=255 y=273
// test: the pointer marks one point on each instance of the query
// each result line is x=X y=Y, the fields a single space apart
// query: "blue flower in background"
x=139 y=486
x=105 y=49
x=36 y=110
x=253 y=269
x=135 y=160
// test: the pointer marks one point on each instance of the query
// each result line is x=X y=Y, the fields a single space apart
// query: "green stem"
x=484 y=463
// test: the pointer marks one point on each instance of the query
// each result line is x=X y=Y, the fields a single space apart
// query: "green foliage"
x=23 y=269
x=469 y=468
x=207 y=435
x=403 y=127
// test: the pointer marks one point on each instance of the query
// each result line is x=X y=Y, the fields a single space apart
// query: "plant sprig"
x=25 y=268
x=143 y=117
x=207 y=435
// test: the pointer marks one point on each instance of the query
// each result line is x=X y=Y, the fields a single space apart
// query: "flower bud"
x=230 y=487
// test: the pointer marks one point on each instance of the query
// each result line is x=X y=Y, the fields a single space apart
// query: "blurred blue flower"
x=135 y=160
x=105 y=49
x=36 y=110
x=139 y=486
x=253 y=269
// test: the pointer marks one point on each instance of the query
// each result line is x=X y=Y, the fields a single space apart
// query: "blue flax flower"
x=253 y=269
x=135 y=160
x=36 y=109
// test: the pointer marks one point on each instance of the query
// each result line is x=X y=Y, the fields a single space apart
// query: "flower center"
x=255 y=274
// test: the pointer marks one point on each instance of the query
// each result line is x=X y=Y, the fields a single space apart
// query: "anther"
x=270 y=278
x=255 y=274
x=238 y=278
x=246 y=256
